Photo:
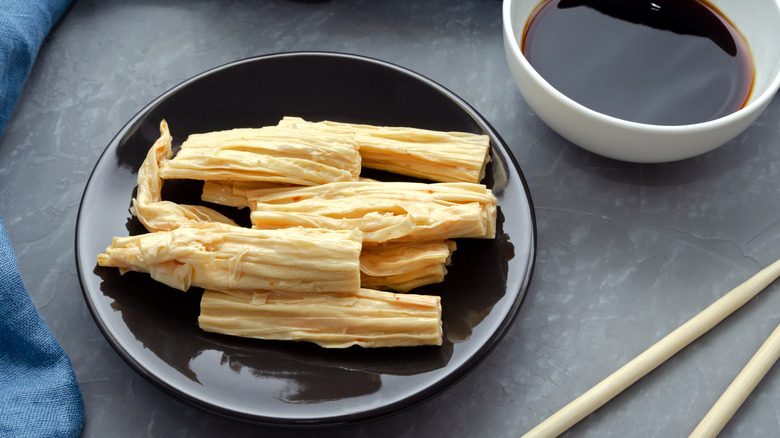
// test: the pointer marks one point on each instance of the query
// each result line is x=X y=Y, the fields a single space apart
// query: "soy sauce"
x=665 y=62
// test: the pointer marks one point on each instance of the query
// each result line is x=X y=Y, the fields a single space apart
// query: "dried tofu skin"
x=405 y=282
x=220 y=256
x=406 y=265
x=394 y=258
x=422 y=153
x=324 y=240
x=365 y=317
x=148 y=206
x=149 y=181
x=167 y=216
x=232 y=193
x=270 y=154
x=222 y=193
x=382 y=211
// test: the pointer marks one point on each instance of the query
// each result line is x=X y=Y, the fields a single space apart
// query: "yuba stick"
x=728 y=403
x=654 y=356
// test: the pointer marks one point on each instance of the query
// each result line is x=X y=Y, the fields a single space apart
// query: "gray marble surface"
x=626 y=252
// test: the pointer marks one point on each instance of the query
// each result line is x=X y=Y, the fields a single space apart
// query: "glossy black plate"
x=154 y=328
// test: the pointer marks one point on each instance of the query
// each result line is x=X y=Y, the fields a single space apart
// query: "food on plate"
x=231 y=193
x=148 y=206
x=220 y=256
x=365 y=317
x=234 y=193
x=269 y=154
x=403 y=266
x=326 y=245
x=421 y=153
x=383 y=211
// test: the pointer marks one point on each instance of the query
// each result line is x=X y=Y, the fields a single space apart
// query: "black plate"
x=154 y=328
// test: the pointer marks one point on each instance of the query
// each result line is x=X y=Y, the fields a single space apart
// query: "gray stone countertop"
x=626 y=252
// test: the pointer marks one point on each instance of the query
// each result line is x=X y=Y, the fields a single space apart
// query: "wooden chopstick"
x=728 y=403
x=651 y=358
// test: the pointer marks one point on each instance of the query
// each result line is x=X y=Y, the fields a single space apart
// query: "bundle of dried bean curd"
x=330 y=256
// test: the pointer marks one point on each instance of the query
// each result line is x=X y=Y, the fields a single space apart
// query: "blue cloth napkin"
x=24 y=25
x=39 y=394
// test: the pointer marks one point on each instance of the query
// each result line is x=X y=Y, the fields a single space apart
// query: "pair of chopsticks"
x=722 y=411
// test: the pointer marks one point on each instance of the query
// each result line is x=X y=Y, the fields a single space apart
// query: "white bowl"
x=757 y=20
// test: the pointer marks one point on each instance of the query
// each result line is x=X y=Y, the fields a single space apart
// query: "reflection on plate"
x=154 y=328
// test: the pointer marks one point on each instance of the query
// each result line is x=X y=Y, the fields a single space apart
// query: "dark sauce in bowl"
x=662 y=62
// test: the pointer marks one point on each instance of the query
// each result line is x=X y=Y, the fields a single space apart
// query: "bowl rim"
x=752 y=107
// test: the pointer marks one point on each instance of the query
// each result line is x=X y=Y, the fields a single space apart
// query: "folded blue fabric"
x=24 y=25
x=39 y=394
